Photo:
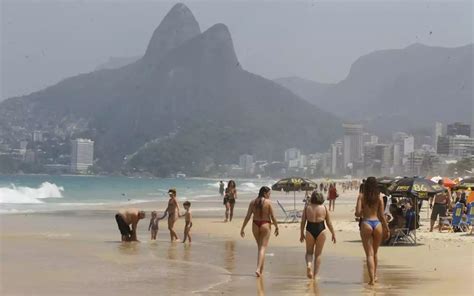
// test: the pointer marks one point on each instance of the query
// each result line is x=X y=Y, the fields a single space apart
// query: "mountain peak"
x=177 y=27
x=218 y=42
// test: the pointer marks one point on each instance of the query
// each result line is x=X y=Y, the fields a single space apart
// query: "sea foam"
x=29 y=195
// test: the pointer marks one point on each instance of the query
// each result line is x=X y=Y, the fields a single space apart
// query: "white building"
x=408 y=145
x=37 y=136
x=370 y=139
x=292 y=154
x=438 y=132
x=337 y=156
x=246 y=163
x=461 y=146
x=82 y=155
x=353 y=143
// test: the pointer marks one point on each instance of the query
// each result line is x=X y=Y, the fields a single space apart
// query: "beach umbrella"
x=446 y=181
x=294 y=184
x=414 y=187
x=384 y=183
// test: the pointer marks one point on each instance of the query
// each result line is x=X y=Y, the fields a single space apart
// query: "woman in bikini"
x=312 y=220
x=262 y=211
x=373 y=226
x=173 y=213
x=229 y=200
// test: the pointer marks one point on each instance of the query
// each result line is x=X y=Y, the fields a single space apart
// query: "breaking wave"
x=29 y=195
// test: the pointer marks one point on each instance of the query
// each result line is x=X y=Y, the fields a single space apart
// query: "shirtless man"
x=173 y=213
x=126 y=217
x=441 y=201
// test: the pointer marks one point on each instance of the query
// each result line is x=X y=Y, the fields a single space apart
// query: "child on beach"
x=153 y=226
x=188 y=222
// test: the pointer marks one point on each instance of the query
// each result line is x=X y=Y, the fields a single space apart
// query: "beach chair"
x=290 y=215
x=405 y=235
x=470 y=214
x=457 y=222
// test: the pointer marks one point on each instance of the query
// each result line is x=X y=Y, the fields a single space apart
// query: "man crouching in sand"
x=126 y=217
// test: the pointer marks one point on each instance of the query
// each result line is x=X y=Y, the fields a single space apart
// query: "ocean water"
x=23 y=194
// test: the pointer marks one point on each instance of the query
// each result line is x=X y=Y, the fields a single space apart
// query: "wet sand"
x=78 y=253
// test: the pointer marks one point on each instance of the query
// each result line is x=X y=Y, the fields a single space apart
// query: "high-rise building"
x=408 y=145
x=336 y=157
x=353 y=144
x=442 y=146
x=370 y=139
x=23 y=146
x=383 y=153
x=456 y=145
x=246 y=163
x=422 y=163
x=292 y=154
x=458 y=129
x=461 y=145
x=397 y=155
x=37 y=136
x=397 y=158
x=438 y=132
x=82 y=155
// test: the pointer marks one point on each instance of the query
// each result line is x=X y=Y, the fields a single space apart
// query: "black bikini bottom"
x=315 y=228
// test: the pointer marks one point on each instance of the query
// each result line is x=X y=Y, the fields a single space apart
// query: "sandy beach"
x=78 y=253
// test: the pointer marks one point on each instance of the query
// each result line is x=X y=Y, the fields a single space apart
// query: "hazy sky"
x=44 y=41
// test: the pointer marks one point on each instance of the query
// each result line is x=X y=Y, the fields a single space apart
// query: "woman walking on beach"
x=262 y=211
x=332 y=195
x=314 y=215
x=229 y=200
x=373 y=226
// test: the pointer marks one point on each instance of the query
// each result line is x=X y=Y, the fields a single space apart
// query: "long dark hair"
x=371 y=191
x=231 y=184
x=261 y=194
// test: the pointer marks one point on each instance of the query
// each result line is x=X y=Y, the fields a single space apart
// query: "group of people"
x=369 y=208
x=127 y=220
x=315 y=218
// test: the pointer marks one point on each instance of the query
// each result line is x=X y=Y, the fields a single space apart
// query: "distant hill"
x=399 y=89
x=185 y=105
x=116 y=62
x=309 y=90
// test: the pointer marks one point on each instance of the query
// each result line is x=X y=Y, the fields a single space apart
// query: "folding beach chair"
x=470 y=214
x=290 y=215
x=405 y=235
x=457 y=222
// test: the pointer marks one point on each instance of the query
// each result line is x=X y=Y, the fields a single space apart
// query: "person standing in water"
x=262 y=211
x=173 y=213
x=128 y=217
x=373 y=226
x=221 y=188
x=314 y=216
x=188 y=221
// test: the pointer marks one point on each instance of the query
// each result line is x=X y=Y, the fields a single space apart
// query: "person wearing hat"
x=173 y=213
